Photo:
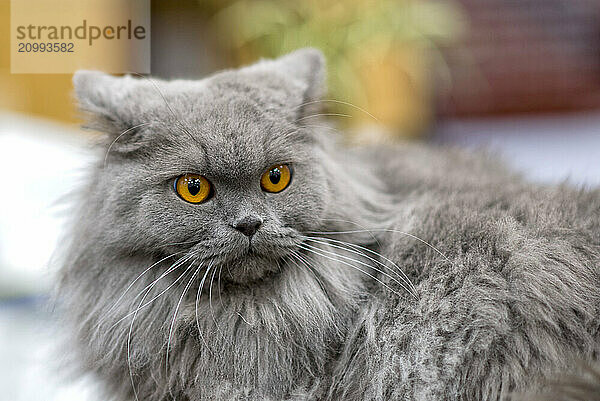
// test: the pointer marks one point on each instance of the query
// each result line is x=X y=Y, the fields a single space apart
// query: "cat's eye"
x=276 y=178
x=193 y=188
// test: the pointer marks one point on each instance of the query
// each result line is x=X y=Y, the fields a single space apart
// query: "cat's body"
x=506 y=274
x=513 y=297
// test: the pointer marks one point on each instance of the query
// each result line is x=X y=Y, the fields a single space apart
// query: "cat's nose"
x=248 y=225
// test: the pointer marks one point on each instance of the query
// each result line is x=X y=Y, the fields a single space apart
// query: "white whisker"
x=119 y=136
x=323 y=114
x=198 y=294
x=401 y=273
x=131 y=330
x=366 y=265
x=340 y=102
x=297 y=258
x=212 y=312
x=132 y=284
x=172 y=326
x=150 y=286
x=351 y=265
x=383 y=230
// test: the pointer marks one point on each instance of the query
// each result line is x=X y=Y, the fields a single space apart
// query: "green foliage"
x=269 y=28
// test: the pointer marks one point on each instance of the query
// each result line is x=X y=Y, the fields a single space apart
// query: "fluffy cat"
x=227 y=247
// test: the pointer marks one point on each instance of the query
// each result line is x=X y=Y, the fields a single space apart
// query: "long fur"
x=388 y=273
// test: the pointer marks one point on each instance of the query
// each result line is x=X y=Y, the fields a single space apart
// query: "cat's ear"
x=109 y=104
x=306 y=67
x=303 y=74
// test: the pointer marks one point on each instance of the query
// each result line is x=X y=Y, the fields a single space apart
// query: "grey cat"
x=226 y=246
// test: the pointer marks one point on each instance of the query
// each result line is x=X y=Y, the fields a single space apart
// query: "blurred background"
x=519 y=76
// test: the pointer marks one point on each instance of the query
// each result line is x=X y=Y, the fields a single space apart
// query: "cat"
x=228 y=246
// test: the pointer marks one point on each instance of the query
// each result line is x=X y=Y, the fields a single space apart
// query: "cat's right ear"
x=304 y=72
x=108 y=104
x=307 y=68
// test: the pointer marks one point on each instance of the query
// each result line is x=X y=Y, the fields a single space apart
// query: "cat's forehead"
x=230 y=125
x=244 y=117
x=234 y=94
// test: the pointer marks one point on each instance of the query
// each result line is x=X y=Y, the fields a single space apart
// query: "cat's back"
x=507 y=275
x=450 y=187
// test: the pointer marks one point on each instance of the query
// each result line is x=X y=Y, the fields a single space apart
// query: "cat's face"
x=224 y=176
x=254 y=176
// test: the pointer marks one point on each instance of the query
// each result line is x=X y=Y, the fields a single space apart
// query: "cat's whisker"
x=129 y=350
x=150 y=286
x=339 y=102
x=229 y=271
x=383 y=230
x=350 y=265
x=296 y=258
x=404 y=283
x=129 y=334
x=212 y=312
x=403 y=276
x=105 y=316
x=407 y=289
x=323 y=127
x=243 y=319
x=324 y=115
x=219 y=286
x=119 y=137
x=306 y=260
x=136 y=311
x=356 y=224
x=198 y=294
x=172 y=326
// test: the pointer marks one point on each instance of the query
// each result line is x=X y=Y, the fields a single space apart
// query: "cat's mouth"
x=245 y=260
x=251 y=267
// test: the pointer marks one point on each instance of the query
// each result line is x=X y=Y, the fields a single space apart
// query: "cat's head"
x=228 y=167
x=231 y=173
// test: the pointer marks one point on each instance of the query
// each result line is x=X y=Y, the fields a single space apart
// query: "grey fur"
x=582 y=386
x=506 y=272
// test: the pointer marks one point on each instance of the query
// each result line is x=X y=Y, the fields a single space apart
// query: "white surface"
x=547 y=149
x=40 y=162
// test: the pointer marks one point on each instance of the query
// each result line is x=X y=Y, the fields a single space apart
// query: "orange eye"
x=193 y=188
x=276 y=179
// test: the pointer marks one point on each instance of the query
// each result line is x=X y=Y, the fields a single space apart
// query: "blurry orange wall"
x=45 y=95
